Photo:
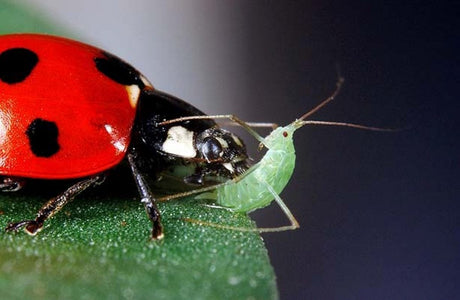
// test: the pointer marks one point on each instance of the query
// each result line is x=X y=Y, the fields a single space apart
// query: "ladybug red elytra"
x=70 y=110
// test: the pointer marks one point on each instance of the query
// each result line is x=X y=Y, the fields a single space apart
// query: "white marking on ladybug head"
x=180 y=142
x=133 y=94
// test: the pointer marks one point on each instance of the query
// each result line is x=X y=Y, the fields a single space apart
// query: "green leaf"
x=98 y=246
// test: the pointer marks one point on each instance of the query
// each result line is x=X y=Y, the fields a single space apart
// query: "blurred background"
x=379 y=212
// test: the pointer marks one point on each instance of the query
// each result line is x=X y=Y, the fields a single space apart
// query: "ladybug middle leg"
x=147 y=197
x=54 y=205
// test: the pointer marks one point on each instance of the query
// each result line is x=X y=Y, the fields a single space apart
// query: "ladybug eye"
x=211 y=149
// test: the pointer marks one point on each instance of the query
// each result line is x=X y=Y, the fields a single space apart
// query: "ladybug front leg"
x=147 y=197
x=54 y=205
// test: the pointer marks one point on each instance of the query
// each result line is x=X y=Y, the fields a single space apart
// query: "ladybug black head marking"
x=16 y=64
x=43 y=137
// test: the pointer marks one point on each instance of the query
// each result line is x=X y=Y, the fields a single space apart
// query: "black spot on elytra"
x=118 y=70
x=43 y=137
x=16 y=64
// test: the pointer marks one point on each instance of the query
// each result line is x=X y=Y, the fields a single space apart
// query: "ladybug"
x=72 y=111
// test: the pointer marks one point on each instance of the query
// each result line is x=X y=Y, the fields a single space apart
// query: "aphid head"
x=281 y=138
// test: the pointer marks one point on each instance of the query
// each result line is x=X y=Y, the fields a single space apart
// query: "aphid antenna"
x=339 y=84
x=235 y=119
x=344 y=124
x=302 y=120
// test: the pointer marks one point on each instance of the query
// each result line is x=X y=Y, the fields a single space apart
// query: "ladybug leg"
x=54 y=205
x=10 y=184
x=147 y=197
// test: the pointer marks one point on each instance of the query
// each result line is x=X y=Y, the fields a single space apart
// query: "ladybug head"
x=207 y=151
x=219 y=146
x=211 y=153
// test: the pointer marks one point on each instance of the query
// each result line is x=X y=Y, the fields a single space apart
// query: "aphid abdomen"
x=251 y=193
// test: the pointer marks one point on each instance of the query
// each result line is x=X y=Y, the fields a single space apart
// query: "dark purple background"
x=379 y=212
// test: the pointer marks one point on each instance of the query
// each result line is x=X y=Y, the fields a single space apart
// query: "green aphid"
x=264 y=181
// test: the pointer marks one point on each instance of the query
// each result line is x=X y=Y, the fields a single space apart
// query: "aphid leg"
x=284 y=208
x=217 y=207
x=252 y=124
x=294 y=223
x=147 y=198
x=10 y=184
x=54 y=205
x=208 y=188
x=262 y=125
x=189 y=193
